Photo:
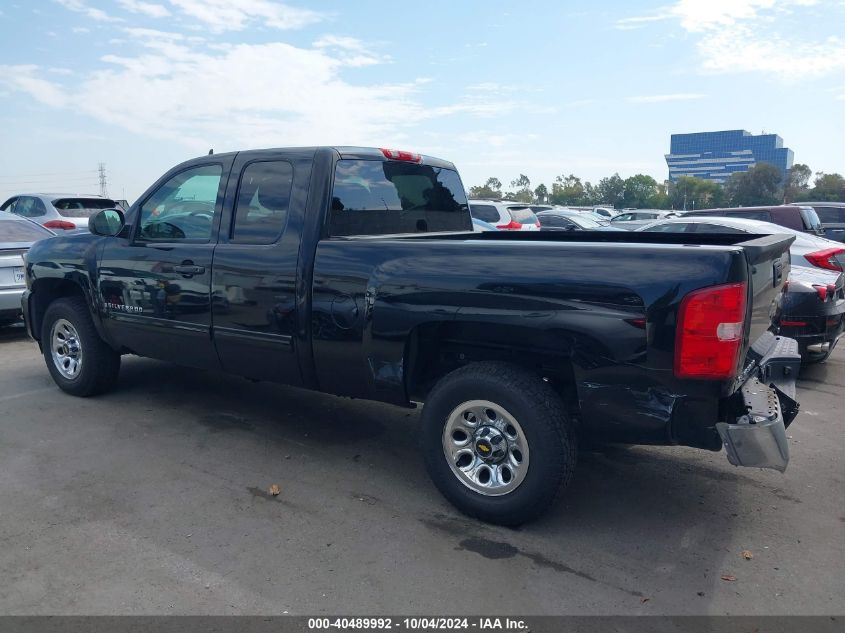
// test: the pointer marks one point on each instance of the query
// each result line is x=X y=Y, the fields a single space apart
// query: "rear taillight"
x=791 y=323
x=537 y=224
x=709 y=332
x=59 y=224
x=398 y=154
x=826 y=258
x=822 y=291
x=510 y=226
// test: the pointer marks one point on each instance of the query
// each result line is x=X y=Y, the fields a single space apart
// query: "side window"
x=551 y=220
x=183 y=207
x=624 y=217
x=831 y=215
x=263 y=202
x=29 y=207
x=485 y=212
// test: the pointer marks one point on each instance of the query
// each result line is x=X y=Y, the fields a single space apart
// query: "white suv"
x=505 y=214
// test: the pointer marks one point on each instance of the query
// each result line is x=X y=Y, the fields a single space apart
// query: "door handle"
x=188 y=268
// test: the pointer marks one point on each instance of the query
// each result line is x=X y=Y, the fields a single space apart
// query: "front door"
x=254 y=280
x=155 y=285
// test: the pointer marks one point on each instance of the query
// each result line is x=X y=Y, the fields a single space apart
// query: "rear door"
x=255 y=264
x=155 y=284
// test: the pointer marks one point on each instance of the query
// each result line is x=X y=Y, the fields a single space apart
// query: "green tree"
x=760 y=185
x=541 y=193
x=490 y=189
x=567 y=190
x=611 y=191
x=522 y=186
x=689 y=192
x=827 y=188
x=639 y=191
x=796 y=182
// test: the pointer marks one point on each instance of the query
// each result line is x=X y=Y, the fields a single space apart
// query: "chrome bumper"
x=758 y=438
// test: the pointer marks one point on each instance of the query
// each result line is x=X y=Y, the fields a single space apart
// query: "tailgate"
x=768 y=270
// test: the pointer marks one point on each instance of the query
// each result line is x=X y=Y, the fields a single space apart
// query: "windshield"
x=373 y=197
x=585 y=222
x=82 y=207
x=14 y=230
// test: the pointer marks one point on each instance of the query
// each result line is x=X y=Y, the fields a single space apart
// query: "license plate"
x=18 y=274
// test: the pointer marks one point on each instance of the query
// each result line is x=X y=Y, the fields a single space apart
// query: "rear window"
x=485 y=212
x=765 y=216
x=21 y=231
x=386 y=197
x=82 y=207
x=523 y=215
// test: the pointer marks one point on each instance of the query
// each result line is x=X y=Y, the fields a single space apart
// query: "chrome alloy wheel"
x=66 y=348
x=486 y=448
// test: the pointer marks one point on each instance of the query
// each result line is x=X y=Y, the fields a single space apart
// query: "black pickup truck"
x=354 y=271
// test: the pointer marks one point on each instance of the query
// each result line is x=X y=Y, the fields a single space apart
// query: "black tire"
x=100 y=363
x=546 y=426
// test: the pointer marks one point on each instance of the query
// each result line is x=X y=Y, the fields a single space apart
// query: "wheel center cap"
x=490 y=445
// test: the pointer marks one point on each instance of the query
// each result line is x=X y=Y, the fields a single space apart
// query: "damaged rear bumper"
x=758 y=438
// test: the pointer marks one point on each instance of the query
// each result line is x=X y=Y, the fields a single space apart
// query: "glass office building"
x=717 y=155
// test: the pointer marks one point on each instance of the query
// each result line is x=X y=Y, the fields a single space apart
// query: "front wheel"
x=497 y=442
x=79 y=361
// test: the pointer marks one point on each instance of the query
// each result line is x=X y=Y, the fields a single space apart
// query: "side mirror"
x=108 y=222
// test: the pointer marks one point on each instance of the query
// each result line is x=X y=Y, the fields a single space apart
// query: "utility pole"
x=103 y=187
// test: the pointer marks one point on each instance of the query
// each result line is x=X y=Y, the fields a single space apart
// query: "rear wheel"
x=79 y=361
x=497 y=442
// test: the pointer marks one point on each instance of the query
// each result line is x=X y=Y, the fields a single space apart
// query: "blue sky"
x=542 y=88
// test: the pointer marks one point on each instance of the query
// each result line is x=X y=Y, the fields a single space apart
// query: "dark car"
x=796 y=217
x=558 y=220
x=832 y=216
x=354 y=271
x=813 y=311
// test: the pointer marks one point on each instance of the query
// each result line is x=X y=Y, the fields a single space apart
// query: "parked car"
x=832 y=217
x=813 y=312
x=565 y=220
x=632 y=220
x=798 y=218
x=16 y=237
x=505 y=215
x=814 y=302
x=380 y=290
x=56 y=211
x=806 y=250
x=606 y=212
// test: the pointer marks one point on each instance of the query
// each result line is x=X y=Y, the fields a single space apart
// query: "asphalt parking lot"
x=153 y=499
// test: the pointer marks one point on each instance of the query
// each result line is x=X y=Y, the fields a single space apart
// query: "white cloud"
x=80 y=7
x=26 y=78
x=242 y=96
x=734 y=36
x=149 y=9
x=686 y=96
x=80 y=29
x=234 y=15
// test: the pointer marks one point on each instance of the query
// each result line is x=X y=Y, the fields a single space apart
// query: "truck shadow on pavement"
x=661 y=501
